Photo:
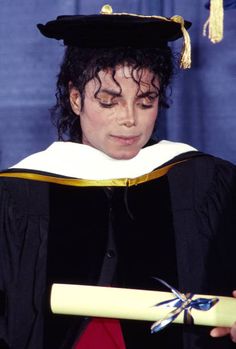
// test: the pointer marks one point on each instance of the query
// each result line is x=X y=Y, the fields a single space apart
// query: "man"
x=109 y=206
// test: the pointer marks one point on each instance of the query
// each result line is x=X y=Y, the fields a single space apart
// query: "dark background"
x=204 y=98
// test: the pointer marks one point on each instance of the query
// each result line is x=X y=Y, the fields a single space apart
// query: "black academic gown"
x=190 y=242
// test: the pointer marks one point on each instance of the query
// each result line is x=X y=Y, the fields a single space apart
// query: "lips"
x=125 y=140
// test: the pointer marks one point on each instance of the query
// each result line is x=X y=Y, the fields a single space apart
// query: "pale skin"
x=224 y=331
x=125 y=119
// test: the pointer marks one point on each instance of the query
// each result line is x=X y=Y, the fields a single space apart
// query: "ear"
x=75 y=99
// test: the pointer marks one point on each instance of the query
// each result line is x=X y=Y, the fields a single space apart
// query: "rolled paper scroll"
x=121 y=303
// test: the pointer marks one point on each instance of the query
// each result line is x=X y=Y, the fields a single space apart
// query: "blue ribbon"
x=182 y=302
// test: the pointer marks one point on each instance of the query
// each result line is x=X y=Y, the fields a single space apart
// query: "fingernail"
x=213 y=333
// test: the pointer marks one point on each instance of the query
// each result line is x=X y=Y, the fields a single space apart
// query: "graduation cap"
x=108 y=29
x=215 y=22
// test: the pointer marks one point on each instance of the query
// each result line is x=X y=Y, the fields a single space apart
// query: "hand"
x=223 y=331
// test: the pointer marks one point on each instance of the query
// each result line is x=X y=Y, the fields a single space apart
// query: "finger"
x=234 y=293
x=220 y=331
x=233 y=332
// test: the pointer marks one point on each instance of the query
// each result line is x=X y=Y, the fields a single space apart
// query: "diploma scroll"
x=121 y=303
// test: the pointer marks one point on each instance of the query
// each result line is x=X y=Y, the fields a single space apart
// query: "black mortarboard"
x=109 y=29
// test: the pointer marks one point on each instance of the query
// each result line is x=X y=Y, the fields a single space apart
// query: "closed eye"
x=146 y=106
x=107 y=105
x=148 y=102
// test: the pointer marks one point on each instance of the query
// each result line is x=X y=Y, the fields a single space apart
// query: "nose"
x=126 y=116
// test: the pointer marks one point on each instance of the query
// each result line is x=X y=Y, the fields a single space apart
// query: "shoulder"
x=202 y=164
x=23 y=195
x=202 y=175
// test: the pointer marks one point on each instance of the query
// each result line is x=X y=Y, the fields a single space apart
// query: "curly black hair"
x=80 y=65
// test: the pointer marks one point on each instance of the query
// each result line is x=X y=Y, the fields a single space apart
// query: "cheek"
x=152 y=117
x=89 y=116
x=93 y=116
x=93 y=123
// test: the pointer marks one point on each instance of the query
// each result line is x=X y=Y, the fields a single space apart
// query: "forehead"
x=124 y=73
x=125 y=76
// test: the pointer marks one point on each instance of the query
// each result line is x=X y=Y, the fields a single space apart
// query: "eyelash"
x=107 y=105
x=146 y=106
x=111 y=105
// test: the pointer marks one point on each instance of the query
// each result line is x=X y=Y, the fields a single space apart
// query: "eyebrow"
x=110 y=92
x=118 y=94
x=148 y=93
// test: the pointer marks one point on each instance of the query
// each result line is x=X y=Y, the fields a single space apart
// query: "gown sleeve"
x=217 y=217
x=203 y=193
x=23 y=231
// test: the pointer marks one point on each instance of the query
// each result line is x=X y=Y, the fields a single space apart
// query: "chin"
x=124 y=155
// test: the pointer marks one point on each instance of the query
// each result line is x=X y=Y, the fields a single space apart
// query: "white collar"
x=82 y=161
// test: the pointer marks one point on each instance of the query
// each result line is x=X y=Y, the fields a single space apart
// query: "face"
x=119 y=121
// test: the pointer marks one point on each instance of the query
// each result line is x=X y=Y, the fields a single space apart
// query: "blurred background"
x=202 y=112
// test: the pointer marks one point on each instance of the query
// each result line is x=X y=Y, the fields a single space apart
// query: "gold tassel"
x=185 y=61
x=215 y=21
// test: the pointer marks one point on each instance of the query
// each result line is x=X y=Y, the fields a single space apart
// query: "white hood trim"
x=84 y=162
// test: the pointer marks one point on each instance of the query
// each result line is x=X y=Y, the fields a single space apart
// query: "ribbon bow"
x=182 y=302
